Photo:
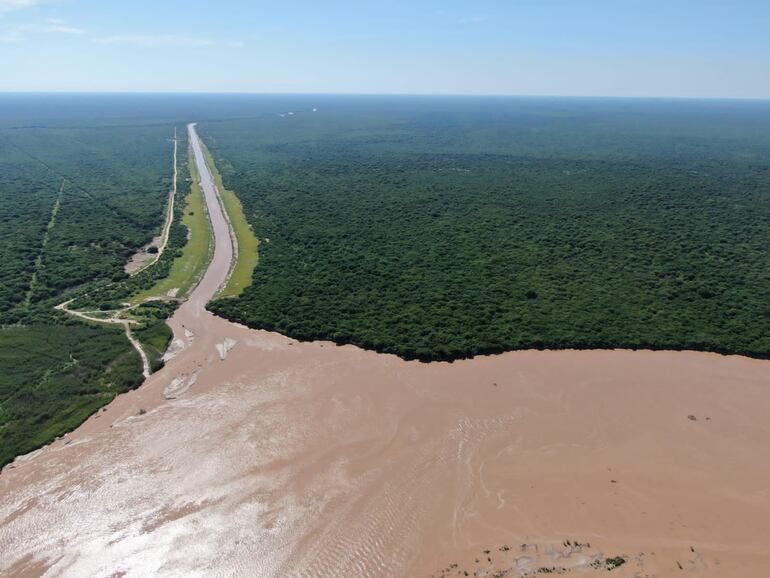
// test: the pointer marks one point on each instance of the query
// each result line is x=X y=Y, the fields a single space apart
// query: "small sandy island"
x=251 y=454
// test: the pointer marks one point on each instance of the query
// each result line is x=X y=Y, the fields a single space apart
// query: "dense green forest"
x=54 y=377
x=27 y=197
x=444 y=228
x=108 y=292
x=434 y=228
x=77 y=198
x=111 y=185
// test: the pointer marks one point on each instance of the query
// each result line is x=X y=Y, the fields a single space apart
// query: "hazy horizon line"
x=375 y=94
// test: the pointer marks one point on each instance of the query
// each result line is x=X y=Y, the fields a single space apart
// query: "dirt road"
x=143 y=259
x=113 y=320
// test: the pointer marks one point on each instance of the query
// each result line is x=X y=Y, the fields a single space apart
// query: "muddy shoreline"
x=251 y=453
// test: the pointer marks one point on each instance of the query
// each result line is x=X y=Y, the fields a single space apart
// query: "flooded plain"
x=252 y=454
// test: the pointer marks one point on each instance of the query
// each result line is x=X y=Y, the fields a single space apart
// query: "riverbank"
x=187 y=269
x=245 y=243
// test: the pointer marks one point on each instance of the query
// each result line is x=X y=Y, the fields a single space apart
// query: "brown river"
x=251 y=454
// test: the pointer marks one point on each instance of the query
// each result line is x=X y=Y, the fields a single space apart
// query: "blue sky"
x=669 y=48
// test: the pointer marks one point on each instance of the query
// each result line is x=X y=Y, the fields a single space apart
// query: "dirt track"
x=143 y=259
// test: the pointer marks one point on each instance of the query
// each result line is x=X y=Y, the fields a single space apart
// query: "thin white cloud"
x=20 y=32
x=63 y=29
x=6 y=5
x=60 y=26
x=10 y=5
x=478 y=19
x=153 y=40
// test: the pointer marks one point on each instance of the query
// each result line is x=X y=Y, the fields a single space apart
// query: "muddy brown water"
x=251 y=454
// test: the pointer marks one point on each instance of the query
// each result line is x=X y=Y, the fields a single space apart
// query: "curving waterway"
x=251 y=454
